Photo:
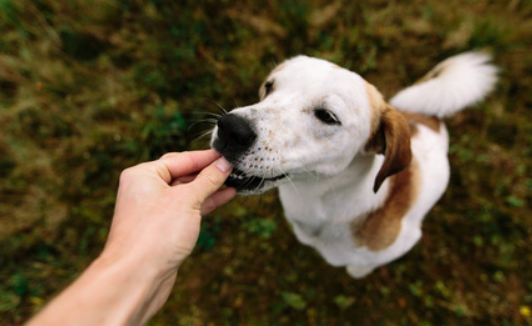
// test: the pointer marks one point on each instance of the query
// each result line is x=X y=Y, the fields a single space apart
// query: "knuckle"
x=169 y=155
x=212 y=179
x=192 y=162
x=131 y=173
x=126 y=175
x=196 y=201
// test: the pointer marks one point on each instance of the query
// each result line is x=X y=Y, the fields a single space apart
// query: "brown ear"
x=392 y=139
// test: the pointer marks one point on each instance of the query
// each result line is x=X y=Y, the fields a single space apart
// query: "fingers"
x=173 y=165
x=210 y=179
x=181 y=169
x=181 y=164
x=183 y=180
x=217 y=199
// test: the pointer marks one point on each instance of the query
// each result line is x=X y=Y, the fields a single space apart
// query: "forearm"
x=155 y=226
x=107 y=293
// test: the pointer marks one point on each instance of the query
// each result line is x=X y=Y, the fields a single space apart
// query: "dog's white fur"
x=333 y=169
x=461 y=81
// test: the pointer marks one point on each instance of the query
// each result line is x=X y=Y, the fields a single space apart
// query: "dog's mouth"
x=243 y=182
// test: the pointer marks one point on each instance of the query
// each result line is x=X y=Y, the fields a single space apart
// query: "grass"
x=88 y=88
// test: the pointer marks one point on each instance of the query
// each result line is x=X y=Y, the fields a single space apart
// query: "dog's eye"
x=326 y=117
x=268 y=87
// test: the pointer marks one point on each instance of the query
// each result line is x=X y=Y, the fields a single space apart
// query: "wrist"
x=110 y=292
x=133 y=289
x=141 y=263
x=129 y=270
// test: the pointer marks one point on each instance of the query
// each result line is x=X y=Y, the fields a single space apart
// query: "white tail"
x=451 y=86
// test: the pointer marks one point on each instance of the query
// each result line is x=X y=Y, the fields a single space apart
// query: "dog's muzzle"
x=234 y=139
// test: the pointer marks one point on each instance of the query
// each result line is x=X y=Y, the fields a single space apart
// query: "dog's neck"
x=343 y=197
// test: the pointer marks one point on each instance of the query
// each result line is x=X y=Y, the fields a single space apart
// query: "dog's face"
x=313 y=119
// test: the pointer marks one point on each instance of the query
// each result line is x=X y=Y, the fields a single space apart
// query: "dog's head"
x=313 y=118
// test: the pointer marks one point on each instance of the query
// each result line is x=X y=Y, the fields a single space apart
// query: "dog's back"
x=449 y=87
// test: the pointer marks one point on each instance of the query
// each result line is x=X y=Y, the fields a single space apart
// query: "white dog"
x=355 y=175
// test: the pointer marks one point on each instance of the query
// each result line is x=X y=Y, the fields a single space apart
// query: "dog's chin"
x=250 y=184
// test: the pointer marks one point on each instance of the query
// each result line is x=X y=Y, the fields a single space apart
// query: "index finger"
x=185 y=163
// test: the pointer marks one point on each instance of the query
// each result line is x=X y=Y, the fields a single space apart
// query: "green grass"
x=88 y=88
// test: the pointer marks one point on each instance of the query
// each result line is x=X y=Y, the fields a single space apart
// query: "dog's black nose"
x=235 y=135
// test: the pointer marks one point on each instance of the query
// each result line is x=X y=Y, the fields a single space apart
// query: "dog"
x=356 y=175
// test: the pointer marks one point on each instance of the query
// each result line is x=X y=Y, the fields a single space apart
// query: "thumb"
x=210 y=179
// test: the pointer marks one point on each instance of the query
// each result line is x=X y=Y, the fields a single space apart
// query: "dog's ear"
x=392 y=138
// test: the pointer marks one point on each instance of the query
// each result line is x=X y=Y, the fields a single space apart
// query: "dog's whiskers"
x=235 y=103
x=260 y=183
x=212 y=122
x=218 y=106
x=314 y=175
x=248 y=182
x=292 y=183
x=201 y=136
x=335 y=192
x=216 y=116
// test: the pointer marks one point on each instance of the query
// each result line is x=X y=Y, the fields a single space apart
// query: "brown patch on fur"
x=277 y=68
x=391 y=131
x=262 y=89
x=389 y=135
x=377 y=105
x=381 y=228
x=414 y=119
x=434 y=73
x=392 y=139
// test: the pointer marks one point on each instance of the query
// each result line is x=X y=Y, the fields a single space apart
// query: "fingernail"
x=223 y=165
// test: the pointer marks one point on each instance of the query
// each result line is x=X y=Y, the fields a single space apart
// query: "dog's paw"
x=359 y=271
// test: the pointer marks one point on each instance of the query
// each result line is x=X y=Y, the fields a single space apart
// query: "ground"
x=90 y=87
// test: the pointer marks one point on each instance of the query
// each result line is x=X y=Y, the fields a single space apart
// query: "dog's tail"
x=451 y=86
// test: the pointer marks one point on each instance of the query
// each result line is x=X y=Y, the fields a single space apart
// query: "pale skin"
x=155 y=228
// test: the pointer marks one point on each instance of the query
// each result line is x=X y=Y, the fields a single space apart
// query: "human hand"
x=155 y=227
x=160 y=204
x=158 y=215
